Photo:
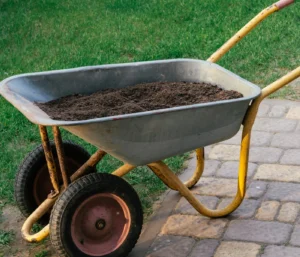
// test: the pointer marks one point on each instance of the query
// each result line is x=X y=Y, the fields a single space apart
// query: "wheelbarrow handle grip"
x=283 y=3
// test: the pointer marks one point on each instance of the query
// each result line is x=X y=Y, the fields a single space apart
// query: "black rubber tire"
x=76 y=193
x=33 y=164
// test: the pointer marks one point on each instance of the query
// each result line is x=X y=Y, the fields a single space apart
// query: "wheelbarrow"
x=99 y=214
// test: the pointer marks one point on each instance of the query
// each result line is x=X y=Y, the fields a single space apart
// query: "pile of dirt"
x=138 y=98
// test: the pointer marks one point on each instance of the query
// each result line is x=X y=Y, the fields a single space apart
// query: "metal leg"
x=33 y=218
x=193 y=180
x=49 y=158
x=160 y=174
x=123 y=170
x=174 y=182
x=49 y=202
x=94 y=159
x=61 y=155
x=199 y=169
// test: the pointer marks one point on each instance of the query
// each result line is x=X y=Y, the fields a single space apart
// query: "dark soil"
x=139 y=98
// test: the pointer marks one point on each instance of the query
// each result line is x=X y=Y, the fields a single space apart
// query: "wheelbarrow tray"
x=144 y=137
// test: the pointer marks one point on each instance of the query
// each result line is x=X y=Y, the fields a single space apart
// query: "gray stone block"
x=281 y=191
x=286 y=140
x=278 y=111
x=171 y=246
x=258 y=231
x=184 y=207
x=230 y=169
x=295 y=239
x=246 y=210
x=204 y=248
x=274 y=125
x=281 y=251
x=291 y=156
x=256 y=189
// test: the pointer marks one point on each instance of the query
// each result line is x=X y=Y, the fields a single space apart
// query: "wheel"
x=33 y=184
x=98 y=215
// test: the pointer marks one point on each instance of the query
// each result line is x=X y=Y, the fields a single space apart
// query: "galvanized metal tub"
x=144 y=137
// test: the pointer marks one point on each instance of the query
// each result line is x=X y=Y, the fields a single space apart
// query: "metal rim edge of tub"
x=20 y=102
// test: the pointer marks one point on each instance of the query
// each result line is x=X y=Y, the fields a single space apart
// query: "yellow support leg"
x=192 y=181
x=123 y=170
x=199 y=169
x=33 y=218
x=174 y=182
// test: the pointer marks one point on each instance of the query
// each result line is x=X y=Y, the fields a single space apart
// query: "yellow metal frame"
x=160 y=168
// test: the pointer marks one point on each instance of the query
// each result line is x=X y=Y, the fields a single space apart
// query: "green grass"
x=42 y=254
x=6 y=237
x=47 y=35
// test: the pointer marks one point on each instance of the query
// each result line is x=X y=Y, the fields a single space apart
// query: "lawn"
x=48 y=35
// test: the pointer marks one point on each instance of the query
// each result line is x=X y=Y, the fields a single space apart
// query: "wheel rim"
x=100 y=224
x=42 y=184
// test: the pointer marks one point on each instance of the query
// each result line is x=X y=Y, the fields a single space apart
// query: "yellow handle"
x=243 y=32
x=280 y=83
x=247 y=28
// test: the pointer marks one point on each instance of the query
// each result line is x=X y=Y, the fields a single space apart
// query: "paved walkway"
x=267 y=224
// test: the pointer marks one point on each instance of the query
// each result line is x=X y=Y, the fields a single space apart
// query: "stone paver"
x=235 y=140
x=281 y=251
x=274 y=125
x=267 y=223
x=264 y=154
x=210 y=166
x=230 y=169
x=288 y=212
x=277 y=111
x=256 y=189
x=294 y=113
x=267 y=210
x=204 y=248
x=291 y=156
x=207 y=151
x=286 y=140
x=184 y=207
x=257 y=154
x=298 y=128
x=195 y=226
x=171 y=246
x=283 y=192
x=225 y=152
x=216 y=187
x=237 y=249
x=245 y=210
x=258 y=138
x=278 y=172
x=258 y=231
x=295 y=239
x=263 y=110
